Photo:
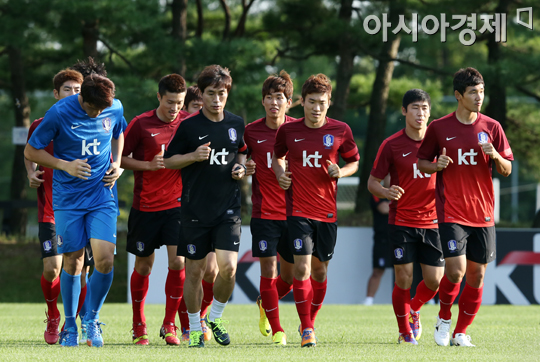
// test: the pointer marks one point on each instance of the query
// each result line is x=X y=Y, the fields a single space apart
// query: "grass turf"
x=345 y=333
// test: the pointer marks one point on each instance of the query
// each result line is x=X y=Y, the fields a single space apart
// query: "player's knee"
x=455 y=276
x=227 y=272
x=104 y=266
x=176 y=263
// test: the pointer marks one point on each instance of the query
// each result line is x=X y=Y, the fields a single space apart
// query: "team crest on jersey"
x=60 y=240
x=191 y=249
x=140 y=246
x=452 y=246
x=47 y=246
x=263 y=245
x=233 y=135
x=107 y=124
x=328 y=140
x=297 y=244
x=483 y=137
x=398 y=253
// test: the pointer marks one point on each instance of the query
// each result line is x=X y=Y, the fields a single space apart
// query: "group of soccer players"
x=188 y=155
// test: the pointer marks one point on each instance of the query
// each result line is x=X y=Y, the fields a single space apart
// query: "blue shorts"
x=75 y=228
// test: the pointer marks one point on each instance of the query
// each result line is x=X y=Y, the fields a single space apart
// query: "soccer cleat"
x=196 y=339
x=461 y=340
x=442 y=331
x=279 y=339
x=206 y=331
x=416 y=325
x=94 y=333
x=51 y=331
x=84 y=336
x=264 y=325
x=140 y=336
x=168 y=333
x=219 y=331
x=185 y=335
x=308 y=338
x=69 y=337
x=407 y=338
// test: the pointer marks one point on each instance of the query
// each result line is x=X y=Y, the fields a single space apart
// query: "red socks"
x=319 y=292
x=448 y=292
x=469 y=304
x=174 y=288
x=282 y=287
x=270 y=302
x=82 y=297
x=183 y=315
x=208 y=296
x=422 y=296
x=51 y=291
x=303 y=296
x=400 y=301
x=139 y=289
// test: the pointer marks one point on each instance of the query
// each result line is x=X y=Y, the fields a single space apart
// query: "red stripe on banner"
x=521 y=258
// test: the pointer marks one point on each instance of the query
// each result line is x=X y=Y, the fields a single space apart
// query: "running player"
x=412 y=220
x=467 y=144
x=154 y=219
x=268 y=219
x=312 y=145
x=87 y=132
x=66 y=83
x=209 y=148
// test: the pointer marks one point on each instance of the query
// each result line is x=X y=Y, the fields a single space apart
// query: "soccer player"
x=154 y=219
x=193 y=102
x=467 y=144
x=268 y=219
x=209 y=148
x=66 y=83
x=412 y=220
x=312 y=145
x=87 y=131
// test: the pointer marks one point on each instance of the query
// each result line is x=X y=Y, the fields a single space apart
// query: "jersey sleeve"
x=500 y=142
x=348 y=149
x=32 y=129
x=383 y=161
x=177 y=145
x=242 y=147
x=131 y=137
x=46 y=131
x=247 y=140
x=429 y=149
x=280 y=147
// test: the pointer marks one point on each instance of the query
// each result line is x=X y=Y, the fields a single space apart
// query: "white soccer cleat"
x=442 y=331
x=462 y=340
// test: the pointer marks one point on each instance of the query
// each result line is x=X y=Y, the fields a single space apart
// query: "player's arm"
x=427 y=166
x=33 y=174
x=177 y=162
x=76 y=168
x=338 y=172
x=114 y=171
x=130 y=163
x=394 y=192
x=504 y=166
x=239 y=169
x=283 y=177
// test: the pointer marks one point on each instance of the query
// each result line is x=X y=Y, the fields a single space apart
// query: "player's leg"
x=85 y=274
x=268 y=300
x=401 y=297
x=139 y=283
x=208 y=281
x=174 y=288
x=373 y=285
x=380 y=261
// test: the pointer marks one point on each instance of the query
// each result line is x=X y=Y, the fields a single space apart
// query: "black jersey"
x=209 y=192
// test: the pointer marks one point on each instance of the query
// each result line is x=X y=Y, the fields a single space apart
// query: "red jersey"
x=44 y=191
x=145 y=137
x=313 y=192
x=416 y=208
x=464 y=191
x=267 y=197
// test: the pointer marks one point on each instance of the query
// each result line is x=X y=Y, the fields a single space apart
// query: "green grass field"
x=345 y=333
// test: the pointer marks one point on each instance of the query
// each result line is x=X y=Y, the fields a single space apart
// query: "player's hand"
x=202 y=153
x=238 y=171
x=79 y=168
x=157 y=162
x=443 y=160
x=34 y=180
x=333 y=169
x=394 y=193
x=285 y=180
x=250 y=167
x=112 y=174
x=489 y=150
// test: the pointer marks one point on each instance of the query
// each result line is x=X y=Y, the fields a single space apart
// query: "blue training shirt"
x=77 y=136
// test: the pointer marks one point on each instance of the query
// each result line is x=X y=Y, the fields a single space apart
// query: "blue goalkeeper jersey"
x=77 y=136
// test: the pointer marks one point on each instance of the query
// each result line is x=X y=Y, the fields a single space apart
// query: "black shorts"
x=312 y=237
x=148 y=231
x=47 y=239
x=197 y=241
x=477 y=243
x=269 y=237
x=415 y=245
x=88 y=255
x=382 y=254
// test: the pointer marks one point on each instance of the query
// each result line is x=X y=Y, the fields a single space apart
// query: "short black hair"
x=415 y=95
x=192 y=94
x=98 y=91
x=467 y=77
x=172 y=83
x=216 y=76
